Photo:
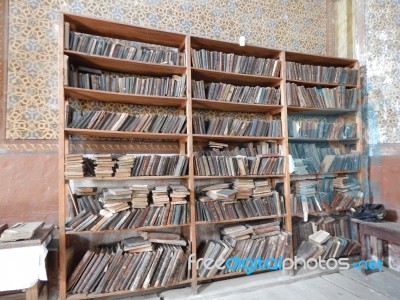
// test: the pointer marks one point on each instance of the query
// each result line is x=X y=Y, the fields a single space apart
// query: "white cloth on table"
x=21 y=268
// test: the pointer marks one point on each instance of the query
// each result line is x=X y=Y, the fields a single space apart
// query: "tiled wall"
x=382 y=60
x=382 y=102
x=32 y=104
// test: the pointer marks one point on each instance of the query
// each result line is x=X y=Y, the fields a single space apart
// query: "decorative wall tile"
x=32 y=106
x=381 y=83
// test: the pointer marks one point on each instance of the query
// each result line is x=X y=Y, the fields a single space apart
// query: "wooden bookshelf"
x=183 y=144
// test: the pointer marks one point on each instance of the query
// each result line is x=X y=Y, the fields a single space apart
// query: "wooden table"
x=38 y=239
x=388 y=231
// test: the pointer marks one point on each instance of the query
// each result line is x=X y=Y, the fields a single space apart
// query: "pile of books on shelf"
x=116 y=199
x=235 y=93
x=318 y=158
x=209 y=163
x=317 y=97
x=321 y=130
x=230 y=62
x=123 y=208
x=122 y=49
x=218 y=202
x=321 y=74
x=247 y=149
x=100 y=80
x=124 y=165
x=236 y=127
x=159 y=194
x=140 y=195
x=325 y=193
x=160 y=260
x=113 y=121
x=325 y=237
x=104 y=165
x=178 y=193
x=250 y=240
x=111 y=165
x=73 y=166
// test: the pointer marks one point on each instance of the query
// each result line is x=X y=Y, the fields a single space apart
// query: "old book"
x=153 y=267
x=79 y=269
x=159 y=235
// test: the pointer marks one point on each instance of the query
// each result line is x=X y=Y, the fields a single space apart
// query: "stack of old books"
x=159 y=195
x=263 y=188
x=140 y=195
x=124 y=166
x=104 y=165
x=73 y=165
x=244 y=188
x=179 y=193
x=116 y=199
x=133 y=264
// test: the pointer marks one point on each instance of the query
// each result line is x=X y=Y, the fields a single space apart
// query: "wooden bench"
x=384 y=230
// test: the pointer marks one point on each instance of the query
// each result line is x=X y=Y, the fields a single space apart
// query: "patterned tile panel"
x=32 y=106
x=382 y=72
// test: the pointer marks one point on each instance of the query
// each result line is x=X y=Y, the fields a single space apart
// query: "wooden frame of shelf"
x=185 y=105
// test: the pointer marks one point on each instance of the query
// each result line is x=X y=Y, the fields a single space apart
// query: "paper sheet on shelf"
x=21 y=268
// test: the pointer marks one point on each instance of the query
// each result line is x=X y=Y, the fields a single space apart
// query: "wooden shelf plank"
x=234 y=78
x=324 y=173
x=229 y=47
x=229 y=275
x=321 y=84
x=321 y=60
x=310 y=140
x=123 y=65
x=319 y=111
x=234 y=138
x=72 y=232
x=127 y=292
x=243 y=177
x=125 y=134
x=320 y=213
x=124 y=31
x=232 y=106
x=94 y=95
x=240 y=220
x=105 y=178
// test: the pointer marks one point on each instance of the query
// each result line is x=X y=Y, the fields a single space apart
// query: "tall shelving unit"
x=185 y=144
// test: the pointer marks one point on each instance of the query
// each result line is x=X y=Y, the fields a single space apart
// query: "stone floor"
x=310 y=284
